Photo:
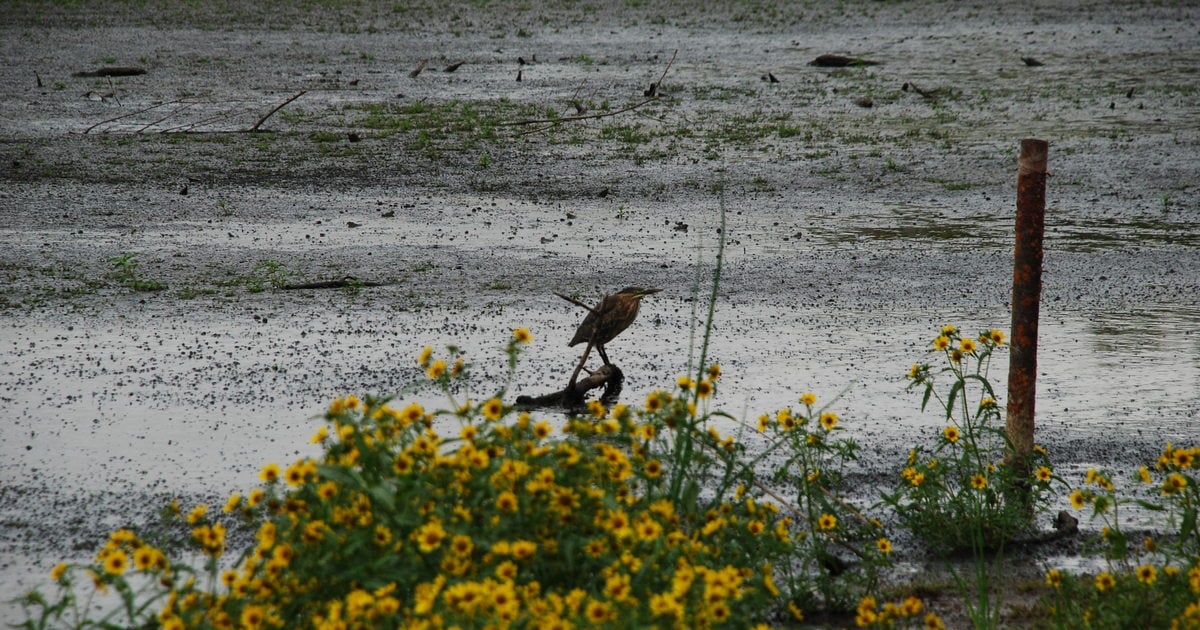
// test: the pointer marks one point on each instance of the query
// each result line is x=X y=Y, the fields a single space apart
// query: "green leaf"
x=954 y=390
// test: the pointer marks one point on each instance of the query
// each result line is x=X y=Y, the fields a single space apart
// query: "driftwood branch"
x=571 y=398
x=277 y=108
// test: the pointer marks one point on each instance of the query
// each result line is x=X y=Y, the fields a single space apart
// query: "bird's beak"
x=650 y=291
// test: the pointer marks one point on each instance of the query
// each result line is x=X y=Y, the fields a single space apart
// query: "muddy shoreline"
x=851 y=232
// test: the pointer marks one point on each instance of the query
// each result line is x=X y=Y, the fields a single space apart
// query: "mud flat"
x=851 y=232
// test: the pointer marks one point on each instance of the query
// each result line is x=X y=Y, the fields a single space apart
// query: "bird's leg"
x=575 y=374
x=603 y=355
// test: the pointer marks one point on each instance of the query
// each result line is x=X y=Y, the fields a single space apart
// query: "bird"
x=610 y=318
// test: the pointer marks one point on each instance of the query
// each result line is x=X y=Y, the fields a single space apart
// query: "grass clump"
x=125 y=271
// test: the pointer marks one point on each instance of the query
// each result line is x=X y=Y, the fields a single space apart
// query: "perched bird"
x=610 y=318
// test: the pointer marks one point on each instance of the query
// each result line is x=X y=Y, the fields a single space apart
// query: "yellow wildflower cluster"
x=869 y=614
x=504 y=522
x=483 y=551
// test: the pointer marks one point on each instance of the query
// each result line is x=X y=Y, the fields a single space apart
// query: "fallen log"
x=571 y=398
x=116 y=71
x=840 y=61
x=341 y=283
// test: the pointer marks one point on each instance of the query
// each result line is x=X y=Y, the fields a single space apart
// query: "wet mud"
x=851 y=232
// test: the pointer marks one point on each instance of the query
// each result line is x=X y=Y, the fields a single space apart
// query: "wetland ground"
x=852 y=232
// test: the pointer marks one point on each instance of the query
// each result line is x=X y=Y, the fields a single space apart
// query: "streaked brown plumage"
x=610 y=318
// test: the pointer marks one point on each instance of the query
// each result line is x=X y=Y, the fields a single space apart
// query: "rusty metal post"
x=1026 y=298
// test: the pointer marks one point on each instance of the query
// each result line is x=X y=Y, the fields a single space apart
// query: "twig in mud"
x=653 y=91
x=418 y=69
x=562 y=119
x=189 y=126
x=114 y=91
x=173 y=112
x=556 y=121
x=277 y=108
x=140 y=111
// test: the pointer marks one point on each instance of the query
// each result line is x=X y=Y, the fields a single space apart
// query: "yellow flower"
x=423 y=358
x=1174 y=483
x=951 y=433
x=1043 y=473
x=144 y=558
x=827 y=522
x=116 y=562
x=197 y=514
x=911 y=606
x=685 y=382
x=653 y=469
x=320 y=436
x=1077 y=499
x=1146 y=574
x=253 y=617
x=522 y=335
x=492 y=409
x=884 y=546
x=1105 y=582
x=598 y=612
x=294 y=475
x=829 y=420
x=979 y=482
x=1144 y=475
x=436 y=369
x=934 y=622
x=996 y=335
x=808 y=398
x=704 y=389
x=524 y=549
x=714 y=371
x=429 y=536
x=948 y=329
x=270 y=473
x=966 y=345
x=507 y=502
x=942 y=342
x=1054 y=578
x=1183 y=458
x=58 y=571
x=654 y=402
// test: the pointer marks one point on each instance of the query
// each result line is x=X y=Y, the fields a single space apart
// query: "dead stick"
x=669 y=64
x=555 y=121
x=188 y=126
x=173 y=112
x=140 y=111
x=538 y=121
x=277 y=108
